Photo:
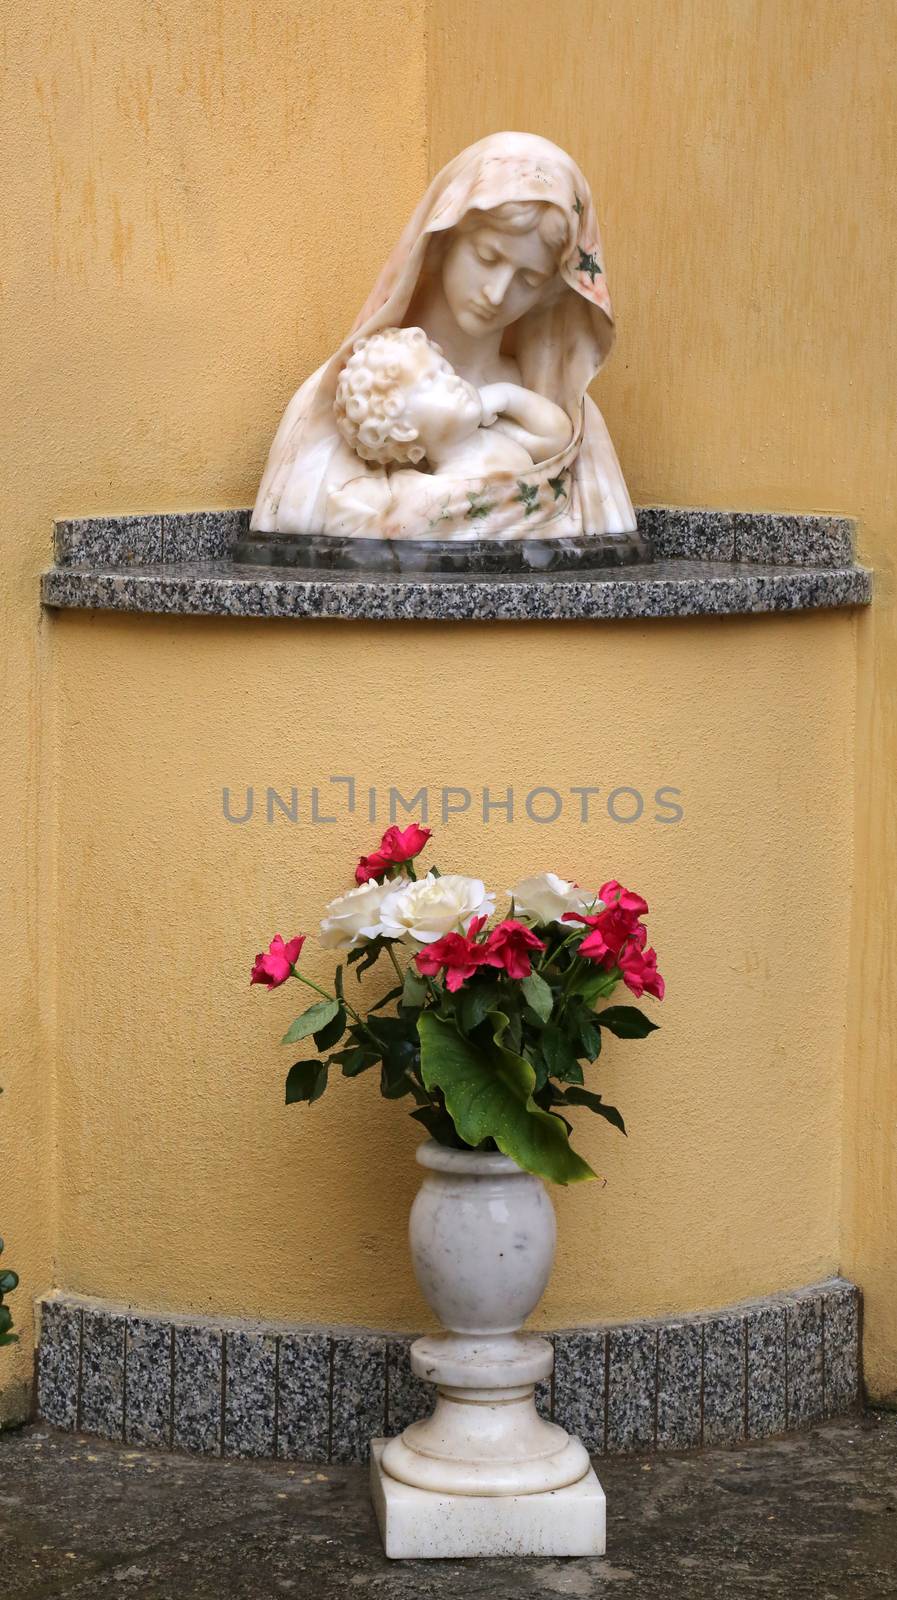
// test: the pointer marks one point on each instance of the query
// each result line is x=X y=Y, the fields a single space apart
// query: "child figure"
x=399 y=402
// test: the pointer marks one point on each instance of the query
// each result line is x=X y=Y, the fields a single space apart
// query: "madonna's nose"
x=496 y=287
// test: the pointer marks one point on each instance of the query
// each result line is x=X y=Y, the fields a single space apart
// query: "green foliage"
x=8 y=1281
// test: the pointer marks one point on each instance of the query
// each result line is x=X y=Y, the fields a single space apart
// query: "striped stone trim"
x=233 y=1388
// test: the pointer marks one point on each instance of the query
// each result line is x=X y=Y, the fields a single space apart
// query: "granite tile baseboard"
x=235 y=1388
x=705 y=563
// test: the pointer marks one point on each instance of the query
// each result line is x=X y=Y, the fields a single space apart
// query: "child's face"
x=443 y=408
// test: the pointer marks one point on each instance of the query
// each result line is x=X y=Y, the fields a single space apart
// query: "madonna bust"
x=456 y=410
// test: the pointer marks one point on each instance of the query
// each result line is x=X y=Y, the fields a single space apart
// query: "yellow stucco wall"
x=186 y=1181
x=199 y=198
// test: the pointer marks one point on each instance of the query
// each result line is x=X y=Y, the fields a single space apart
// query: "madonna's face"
x=491 y=278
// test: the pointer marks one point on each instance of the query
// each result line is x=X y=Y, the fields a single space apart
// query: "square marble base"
x=418 y=1525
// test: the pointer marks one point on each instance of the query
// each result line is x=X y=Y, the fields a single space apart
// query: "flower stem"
x=392 y=956
x=552 y=955
x=323 y=992
x=317 y=988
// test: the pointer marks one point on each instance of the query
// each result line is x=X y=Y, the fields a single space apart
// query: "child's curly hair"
x=369 y=404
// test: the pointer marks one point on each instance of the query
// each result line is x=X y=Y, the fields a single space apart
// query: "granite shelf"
x=706 y=563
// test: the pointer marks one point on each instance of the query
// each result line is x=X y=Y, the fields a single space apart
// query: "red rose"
x=273 y=968
x=403 y=844
x=613 y=893
x=509 y=946
x=457 y=954
x=613 y=926
x=639 y=969
x=396 y=846
x=371 y=868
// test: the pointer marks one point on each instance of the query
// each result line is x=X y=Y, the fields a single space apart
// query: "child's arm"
x=538 y=424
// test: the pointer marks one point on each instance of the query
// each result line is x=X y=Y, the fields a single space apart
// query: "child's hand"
x=494 y=399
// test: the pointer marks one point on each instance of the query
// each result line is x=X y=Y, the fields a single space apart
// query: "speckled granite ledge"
x=235 y=1388
x=706 y=563
x=663 y=589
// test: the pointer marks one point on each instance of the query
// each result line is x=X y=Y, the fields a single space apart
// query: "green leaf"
x=414 y=989
x=539 y=995
x=474 y=1003
x=626 y=1022
x=394 y=1080
x=355 y=1060
x=311 y=1020
x=514 y=1026
x=589 y=1034
x=338 y=983
x=307 y=1080
x=438 y=1123
x=489 y=1095
x=540 y=1068
x=583 y=1097
x=8 y=1281
x=332 y=1031
x=573 y=1073
x=594 y=983
x=561 y=1054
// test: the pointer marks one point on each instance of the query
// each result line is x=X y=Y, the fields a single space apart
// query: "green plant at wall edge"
x=8 y=1281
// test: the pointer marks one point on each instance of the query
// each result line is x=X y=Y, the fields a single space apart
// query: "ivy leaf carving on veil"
x=589 y=263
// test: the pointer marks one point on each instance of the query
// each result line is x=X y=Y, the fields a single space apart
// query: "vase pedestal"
x=421 y=1524
x=485 y=1475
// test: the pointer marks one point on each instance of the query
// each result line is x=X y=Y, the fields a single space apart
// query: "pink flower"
x=273 y=968
x=613 y=926
x=455 y=953
x=639 y=969
x=396 y=846
x=509 y=946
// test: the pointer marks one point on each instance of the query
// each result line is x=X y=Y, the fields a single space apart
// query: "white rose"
x=432 y=906
x=546 y=898
x=353 y=917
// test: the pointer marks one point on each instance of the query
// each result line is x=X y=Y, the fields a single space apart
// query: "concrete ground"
x=811 y=1515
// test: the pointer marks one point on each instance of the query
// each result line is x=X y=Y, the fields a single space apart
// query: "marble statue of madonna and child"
x=456 y=410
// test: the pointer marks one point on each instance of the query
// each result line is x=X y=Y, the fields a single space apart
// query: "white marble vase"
x=485 y=1474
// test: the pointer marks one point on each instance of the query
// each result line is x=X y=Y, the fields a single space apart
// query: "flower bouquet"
x=489 y=1029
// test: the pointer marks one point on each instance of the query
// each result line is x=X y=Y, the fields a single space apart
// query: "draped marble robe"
x=312 y=474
